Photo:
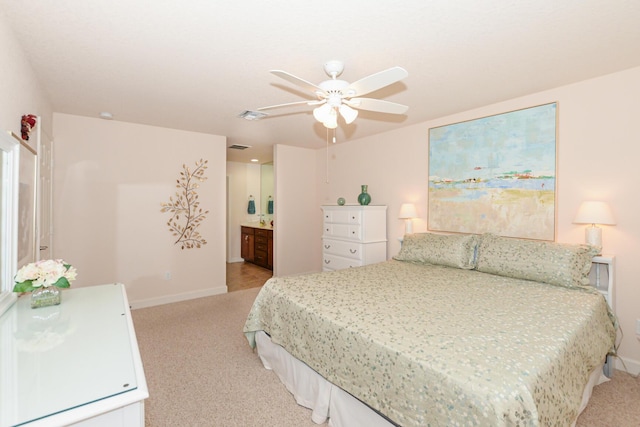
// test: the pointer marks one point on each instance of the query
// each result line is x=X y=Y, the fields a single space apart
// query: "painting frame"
x=496 y=174
x=27 y=203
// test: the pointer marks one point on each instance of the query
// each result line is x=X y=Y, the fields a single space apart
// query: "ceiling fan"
x=338 y=97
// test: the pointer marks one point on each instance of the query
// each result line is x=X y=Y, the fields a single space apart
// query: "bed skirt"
x=329 y=402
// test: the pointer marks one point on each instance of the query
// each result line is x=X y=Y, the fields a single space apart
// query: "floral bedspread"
x=430 y=345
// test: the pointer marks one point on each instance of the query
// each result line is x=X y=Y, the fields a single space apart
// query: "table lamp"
x=408 y=212
x=594 y=212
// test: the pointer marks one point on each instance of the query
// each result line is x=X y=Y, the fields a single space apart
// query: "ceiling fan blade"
x=375 y=81
x=297 y=81
x=289 y=104
x=378 y=105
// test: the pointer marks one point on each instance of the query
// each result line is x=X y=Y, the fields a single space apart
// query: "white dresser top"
x=55 y=360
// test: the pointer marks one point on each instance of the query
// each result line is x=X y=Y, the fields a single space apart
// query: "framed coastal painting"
x=495 y=174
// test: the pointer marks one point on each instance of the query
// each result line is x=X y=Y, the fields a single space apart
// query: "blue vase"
x=364 y=198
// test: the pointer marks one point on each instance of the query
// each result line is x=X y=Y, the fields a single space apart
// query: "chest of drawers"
x=353 y=236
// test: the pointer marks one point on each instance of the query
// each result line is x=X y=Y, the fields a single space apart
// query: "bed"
x=455 y=330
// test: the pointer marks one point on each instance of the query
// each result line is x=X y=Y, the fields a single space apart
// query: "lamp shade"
x=594 y=212
x=327 y=114
x=407 y=211
x=348 y=113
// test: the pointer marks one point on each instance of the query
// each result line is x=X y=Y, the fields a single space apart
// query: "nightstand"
x=602 y=276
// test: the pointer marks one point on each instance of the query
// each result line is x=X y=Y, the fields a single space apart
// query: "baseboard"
x=629 y=365
x=232 y=260
x=151 y=302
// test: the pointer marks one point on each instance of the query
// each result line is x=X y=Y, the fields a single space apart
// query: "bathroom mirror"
x=266 y=191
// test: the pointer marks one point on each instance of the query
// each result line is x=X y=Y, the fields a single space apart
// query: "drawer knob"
x=353 y=251
x=327 y=261
x=327 y=246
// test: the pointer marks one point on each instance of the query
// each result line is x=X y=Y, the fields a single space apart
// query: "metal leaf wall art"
x=187 y=215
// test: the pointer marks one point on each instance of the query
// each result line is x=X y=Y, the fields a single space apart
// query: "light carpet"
x=201 y=371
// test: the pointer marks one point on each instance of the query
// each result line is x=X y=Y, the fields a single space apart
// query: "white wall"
x=598 y=151
x=297 y=215
x=21 y=91
x=110 y=179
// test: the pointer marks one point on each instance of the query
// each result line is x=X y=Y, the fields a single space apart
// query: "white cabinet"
x=602 y=277
x=353 y=236
x=76 y=363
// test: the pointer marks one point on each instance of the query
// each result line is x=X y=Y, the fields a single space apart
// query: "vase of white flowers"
x=44 y=280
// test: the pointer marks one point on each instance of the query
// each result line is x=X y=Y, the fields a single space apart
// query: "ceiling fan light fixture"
x=337 y=97
x=321 y=113
x=331 y=124
x=332 y=119
x=348 y=113
x=327 y=115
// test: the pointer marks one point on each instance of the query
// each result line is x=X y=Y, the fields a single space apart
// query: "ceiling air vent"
x=252 y=115
x=239 y=147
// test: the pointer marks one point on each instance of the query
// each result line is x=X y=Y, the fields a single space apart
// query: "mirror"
x=9 y=168
x=267 y=198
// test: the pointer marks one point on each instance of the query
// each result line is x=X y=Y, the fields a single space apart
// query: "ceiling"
x=196 y=64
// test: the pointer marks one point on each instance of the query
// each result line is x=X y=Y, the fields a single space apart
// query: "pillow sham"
x=451 y=250
x=548 y=262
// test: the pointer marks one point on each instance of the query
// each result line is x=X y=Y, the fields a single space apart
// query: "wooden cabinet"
x=247 y=244
x=353 y=236
x=257 y=246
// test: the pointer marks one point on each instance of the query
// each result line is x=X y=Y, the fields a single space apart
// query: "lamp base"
x=408 y=226
x=593 y=236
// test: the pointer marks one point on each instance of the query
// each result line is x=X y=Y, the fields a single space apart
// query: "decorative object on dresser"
x=257 y=246
x=594 y=212
x=43 y=279
x=408 y=212
x=353 y=236
x=341 y=201
x=364 y=198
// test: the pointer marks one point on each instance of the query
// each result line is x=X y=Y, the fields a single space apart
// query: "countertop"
x=256 y=225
